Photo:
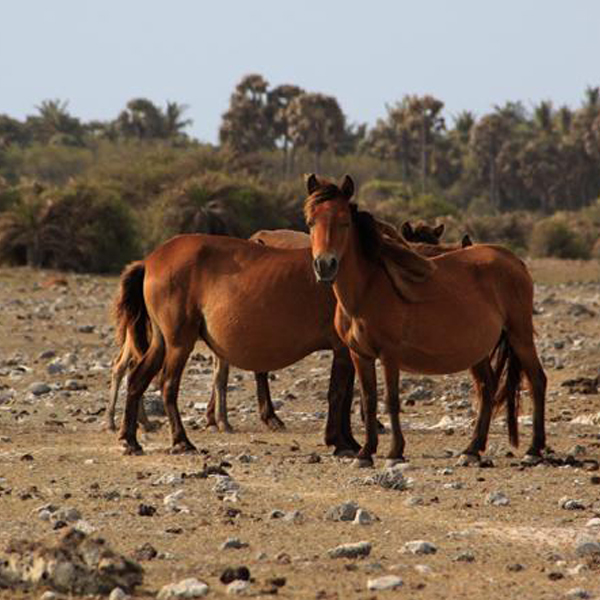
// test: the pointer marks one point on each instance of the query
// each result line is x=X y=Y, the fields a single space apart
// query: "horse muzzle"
x=326 y=268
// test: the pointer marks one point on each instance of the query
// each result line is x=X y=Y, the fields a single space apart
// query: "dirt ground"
x=53 y=450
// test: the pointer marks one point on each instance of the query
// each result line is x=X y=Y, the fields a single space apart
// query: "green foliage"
x=554 y=237
x=510 y=229
x=79 y=228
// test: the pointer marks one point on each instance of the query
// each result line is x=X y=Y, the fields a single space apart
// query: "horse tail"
x=508 y=372
x=130 y=310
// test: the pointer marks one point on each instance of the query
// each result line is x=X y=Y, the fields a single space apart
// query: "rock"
x=55 y=368
x=118 y=594
x=233 y=543
x=497 y=499
x=276 y=514
x=294 y=516
x=39 y=388
x=342 y=512
x=74 y=385
x=390 y=479
x=86 y=328
x=76 y=564
x=46 y=355
x=466 y=556
x=419 y=393
x=225 y=485
x=594 y=522
x=238 y=587
x=423 y=569
x=420 y=547
x=387 y=582
x=235 y=573
x=587 y=547
x=84 y=526
x=169 y=479
x=570 y=504
x=580 y=310
x=146 y=510
x=49 y=595
x=69 y=514
x=145 y=552
x=350 y=550
x=362 y=518
x=577 y=593
x=186 y=588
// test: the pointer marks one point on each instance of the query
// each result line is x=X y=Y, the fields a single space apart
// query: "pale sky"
x=472 y=54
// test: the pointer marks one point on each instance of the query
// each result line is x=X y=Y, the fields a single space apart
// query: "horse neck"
x=353 y=278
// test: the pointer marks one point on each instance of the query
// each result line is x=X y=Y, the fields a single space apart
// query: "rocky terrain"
x=260 y=513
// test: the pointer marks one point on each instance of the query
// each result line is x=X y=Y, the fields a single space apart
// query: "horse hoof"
x=531 y=460
x=212 y=427
x=132 y=450
x=183 y=448
x=362 y=463
x=275 y=424
x=390 y=463
x=468 y=460
x=344 y=453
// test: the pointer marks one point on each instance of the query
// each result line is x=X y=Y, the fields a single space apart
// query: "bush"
x=554 y=237
x=510 y=229
x=80 y=228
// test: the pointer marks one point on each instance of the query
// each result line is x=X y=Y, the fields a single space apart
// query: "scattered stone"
x=294 y=516
x=118 y=594
x=172 y=501
x=169 y=479
x=276 y=514
x=186 y=588
x=466 y=556
x=74 y=385
x=235 y=573
x=238 y=587
x=342 y=512
x=356 y=550
x=48 y=595
x=497 y=499
x=580 y=310
x=86 y=328
x=420 y=547
x=146 y=510
x=233 y=543
x=387 y=582
x=587 y=547
x=39 y=388
x=390 y=479
x=225 y=486
x=593 y=522
x=362 y=517
x=76 y=564
x=145 y=552
x=423 y=569
x=578 y=593
x=515 y=568
x=313 y=458
x=570 y=504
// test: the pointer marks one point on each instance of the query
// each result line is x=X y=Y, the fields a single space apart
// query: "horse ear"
x=439 y=230
x=312 y=183
x=466 y=241
x=347 y=187
x=407 y=230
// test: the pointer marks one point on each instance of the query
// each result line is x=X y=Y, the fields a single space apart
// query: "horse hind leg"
x=265 y=405
x=219 y=394
x=392 y=395
x=485 y=386
x=119 y=368
x=139 y=380
x=175 y=359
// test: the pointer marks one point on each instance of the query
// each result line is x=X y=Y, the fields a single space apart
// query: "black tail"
x=508 y=371
x=130 y=309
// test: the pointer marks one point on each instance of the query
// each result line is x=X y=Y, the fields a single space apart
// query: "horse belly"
x=265 y=340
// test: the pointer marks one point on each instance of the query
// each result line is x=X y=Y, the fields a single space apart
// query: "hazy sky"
x=471 y=54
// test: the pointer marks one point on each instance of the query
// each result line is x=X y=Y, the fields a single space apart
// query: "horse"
x=393 y=304
x=425 y=239
x=256 y=307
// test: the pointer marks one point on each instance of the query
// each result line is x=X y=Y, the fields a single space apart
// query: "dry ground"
x=53 y=451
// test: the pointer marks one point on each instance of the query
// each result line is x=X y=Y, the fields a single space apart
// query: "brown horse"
x=425 y=239
x=246 y=301
x=392 y=304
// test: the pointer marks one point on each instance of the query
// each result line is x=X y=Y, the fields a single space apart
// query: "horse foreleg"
x=265 y=405
x=365 y=367
x=338 y=430
x=396 y=453
x=221 y=377
x=485 y=386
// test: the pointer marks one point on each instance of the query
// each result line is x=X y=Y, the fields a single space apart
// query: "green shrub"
x=554 y=237
x=78 y=228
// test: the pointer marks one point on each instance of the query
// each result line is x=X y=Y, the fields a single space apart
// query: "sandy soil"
x=53 y=451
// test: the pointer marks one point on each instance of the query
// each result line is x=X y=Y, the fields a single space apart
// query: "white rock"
x=84 y=526
x=342 y=512
x=594 y=522
x=497 y=499
x=587 y=547
x=578 y=593
x=362 y=517
x=187 y=588
x=420 y=547
x=49 y=596
x=387 y=582
x=118 y=594
x=571 y=504
x=423 y=569
x=169 y=479
x=238 y=587
x=350 y=550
